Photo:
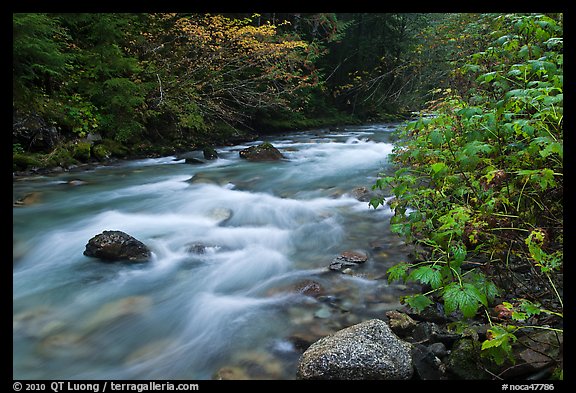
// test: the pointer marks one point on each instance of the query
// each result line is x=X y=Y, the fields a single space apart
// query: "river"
x=238 y=282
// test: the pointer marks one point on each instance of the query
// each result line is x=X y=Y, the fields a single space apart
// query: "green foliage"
x=177 y=78
x=17 y=148
x=39 y=61
x=482 y=180
x=80 y=116
x=379 y=65
x=465 y=297
x=417 y=302
x=499 y=345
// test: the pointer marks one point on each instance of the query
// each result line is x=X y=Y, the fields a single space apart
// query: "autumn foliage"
x=216 y=68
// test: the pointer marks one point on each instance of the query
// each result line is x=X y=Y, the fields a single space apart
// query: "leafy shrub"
x=480 y=183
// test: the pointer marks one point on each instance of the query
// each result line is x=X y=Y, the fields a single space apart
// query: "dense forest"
x=152 y=83
x=478 y=181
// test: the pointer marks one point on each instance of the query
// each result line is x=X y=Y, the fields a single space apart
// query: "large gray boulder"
x=117 y=246
x=368 y=350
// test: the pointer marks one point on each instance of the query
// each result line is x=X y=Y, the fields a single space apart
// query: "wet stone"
x=309 y=288
x=348 y=259
x=400 y=323
x=112 y=246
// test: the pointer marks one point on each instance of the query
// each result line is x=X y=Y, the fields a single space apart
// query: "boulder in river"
x=193 y=161
x=362 y=194
x=262 y=152
x=368 y=350
x=209 y=153
x=348 y=259
x=117 y=246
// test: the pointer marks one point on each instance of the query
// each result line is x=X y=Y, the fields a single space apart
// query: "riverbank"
x=70 y=155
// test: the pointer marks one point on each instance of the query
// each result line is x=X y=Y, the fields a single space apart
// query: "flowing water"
x=238 y=282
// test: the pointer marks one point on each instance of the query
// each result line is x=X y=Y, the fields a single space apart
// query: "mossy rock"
x=115 y=148
x=100 y=152
x=23 y=161
x=262 y=152
x=81 y=151
x=465 y=361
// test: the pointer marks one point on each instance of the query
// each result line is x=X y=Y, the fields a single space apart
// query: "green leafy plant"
x=479 y=184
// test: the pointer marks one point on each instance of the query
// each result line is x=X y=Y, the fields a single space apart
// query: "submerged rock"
x=251 y=365
x=262 y=152
x=117 y=310
x=230 y=373
x=220 y=214
x=368 y=350
x=117 y=246
x=309 y=288
x=150 y=351
x=64 y=345
x=38 y=322
x=31 y=198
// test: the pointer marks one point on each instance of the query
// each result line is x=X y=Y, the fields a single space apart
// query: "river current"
x=238 y=283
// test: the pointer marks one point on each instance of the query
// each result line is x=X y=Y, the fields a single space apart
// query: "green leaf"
x=488 y=77
x=427 y=275
x=530 y=308
x=475 y=147
x=466 y=297
x=417 y=302
x=437 y=167
x=519 y=316
x=436 y=138
x=398 y=272
x=376 y=201
x=485 y=286
x=470 y=111
x=499 y=347
x=553 y=148
x=459 y=254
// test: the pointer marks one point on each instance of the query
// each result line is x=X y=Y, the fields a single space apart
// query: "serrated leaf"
x=459 y=254
x=417 y=302
x=554 y=147
x=475 y=147
x=530 y=308
x=427 y=275
x=499 y=347
x=519 y=316
x=486 y=287
x=398 y=272
x=466 y=297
